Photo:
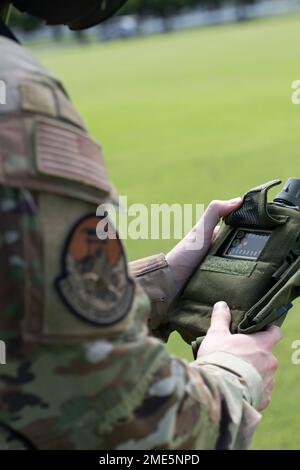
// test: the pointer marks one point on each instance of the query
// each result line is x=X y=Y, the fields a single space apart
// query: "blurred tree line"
x=165 y=8
x=141 y=8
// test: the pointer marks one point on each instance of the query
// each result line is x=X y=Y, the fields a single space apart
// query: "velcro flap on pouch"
x=65 y=152
x=228 y=266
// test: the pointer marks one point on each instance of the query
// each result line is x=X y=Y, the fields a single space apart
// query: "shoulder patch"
x=66 y=152
x=94 y=283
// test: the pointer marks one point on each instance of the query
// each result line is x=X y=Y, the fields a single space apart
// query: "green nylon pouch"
x=258 y=291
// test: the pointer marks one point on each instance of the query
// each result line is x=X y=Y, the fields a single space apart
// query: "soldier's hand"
x=255 y=348
x=182 y=259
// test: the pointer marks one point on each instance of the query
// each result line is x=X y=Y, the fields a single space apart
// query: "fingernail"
x=221 y=305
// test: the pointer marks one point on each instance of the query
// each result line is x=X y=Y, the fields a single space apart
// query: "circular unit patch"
x=95 y=284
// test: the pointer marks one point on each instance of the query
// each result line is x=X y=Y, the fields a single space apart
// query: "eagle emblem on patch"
x=94 y=282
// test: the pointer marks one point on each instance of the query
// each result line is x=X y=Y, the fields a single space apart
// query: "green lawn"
x=194 y=116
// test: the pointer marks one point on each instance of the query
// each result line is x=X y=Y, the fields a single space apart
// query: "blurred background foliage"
x=165 y=8
x=142 y=8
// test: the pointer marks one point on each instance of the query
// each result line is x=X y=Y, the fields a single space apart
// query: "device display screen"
x=247 y=244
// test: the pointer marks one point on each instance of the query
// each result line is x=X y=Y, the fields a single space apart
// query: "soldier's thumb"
x=220 y=319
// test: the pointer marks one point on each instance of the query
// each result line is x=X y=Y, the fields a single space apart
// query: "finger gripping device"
x=253 y=265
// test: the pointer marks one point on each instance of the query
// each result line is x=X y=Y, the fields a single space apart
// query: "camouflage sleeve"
x=10 y=440
x=239 y=388
x=208 y=404
x=155 y=277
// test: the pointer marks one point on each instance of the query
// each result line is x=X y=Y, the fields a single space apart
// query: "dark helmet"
x=77 y=14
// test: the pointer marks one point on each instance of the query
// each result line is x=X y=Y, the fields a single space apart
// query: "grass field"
x=194 y=116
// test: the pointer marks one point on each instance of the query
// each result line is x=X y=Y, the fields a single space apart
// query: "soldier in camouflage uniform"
x=82 y=370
